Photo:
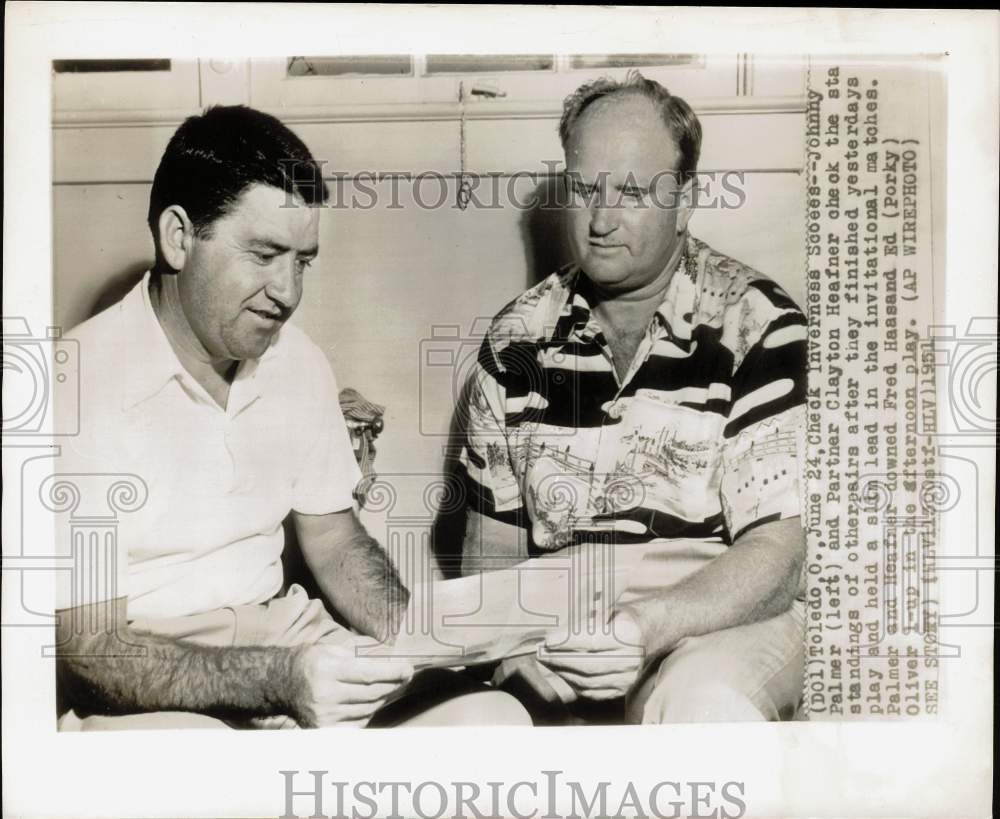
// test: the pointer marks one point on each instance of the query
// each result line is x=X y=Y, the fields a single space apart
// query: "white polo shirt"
x=218 y=482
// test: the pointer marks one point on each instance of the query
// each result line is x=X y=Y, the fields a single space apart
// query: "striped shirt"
x=698 y=440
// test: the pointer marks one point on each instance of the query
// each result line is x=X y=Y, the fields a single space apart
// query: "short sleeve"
x=330 y=471
x=492 y=485
x=762 y=439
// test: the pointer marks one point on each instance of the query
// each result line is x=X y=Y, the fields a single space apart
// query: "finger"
x=602 y=651
x=620 y=630
x=346 y=723
x=602 y=693
x=375 y=670
x=363 y=641
x=525 y=664
x=343 y=665
x=592 y=643
x=346 y=712
x=620 y=682
x=370 y=692
x=361 y=645
x=612 y=636
x=354 y=723
x=590 y=665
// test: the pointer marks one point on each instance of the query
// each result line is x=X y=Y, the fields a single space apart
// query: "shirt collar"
x=156 y=363
x=675 y=313
x=575 y=315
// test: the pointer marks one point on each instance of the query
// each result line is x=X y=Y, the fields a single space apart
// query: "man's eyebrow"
x=277 y=247
x=268 y=244
x=631 y=186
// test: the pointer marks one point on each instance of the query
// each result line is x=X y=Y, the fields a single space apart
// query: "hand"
x=543 y=681
x=341 y=688
x=599 y=666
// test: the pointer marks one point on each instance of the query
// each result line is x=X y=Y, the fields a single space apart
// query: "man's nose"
x=284 y=287
x=603 y=219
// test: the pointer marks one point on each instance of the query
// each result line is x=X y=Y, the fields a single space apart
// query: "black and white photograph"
x=498 y=411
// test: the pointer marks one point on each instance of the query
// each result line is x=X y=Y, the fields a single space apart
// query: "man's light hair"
x=680 y=120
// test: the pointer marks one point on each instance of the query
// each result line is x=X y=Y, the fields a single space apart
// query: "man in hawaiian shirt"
x=649 y=394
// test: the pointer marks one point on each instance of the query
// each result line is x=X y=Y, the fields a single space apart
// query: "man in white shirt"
x=228 y=417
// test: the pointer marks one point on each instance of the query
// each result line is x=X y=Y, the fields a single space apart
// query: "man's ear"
x=686 y=202
x=176 y=236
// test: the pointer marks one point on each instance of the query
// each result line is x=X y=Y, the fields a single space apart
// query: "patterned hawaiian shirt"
x=698 y=440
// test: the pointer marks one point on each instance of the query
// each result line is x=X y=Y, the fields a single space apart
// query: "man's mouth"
x=268 y=315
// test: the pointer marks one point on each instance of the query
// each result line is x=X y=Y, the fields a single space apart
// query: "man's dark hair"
x=211 y=159
x=681 y=121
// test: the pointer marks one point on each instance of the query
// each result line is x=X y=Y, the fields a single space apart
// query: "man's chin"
x=611 y=276
x=253 y=347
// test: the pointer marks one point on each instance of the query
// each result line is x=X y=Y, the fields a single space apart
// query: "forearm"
x=150 y=672
x=755 y=579
x=361 y=581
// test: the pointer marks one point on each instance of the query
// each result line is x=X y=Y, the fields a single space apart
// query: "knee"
x=707 y=702
x=682 y=690
x=478 y=708
x=498 y=708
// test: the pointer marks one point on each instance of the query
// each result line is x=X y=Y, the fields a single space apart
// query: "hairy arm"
x=109 y=668
x=755 y=579
x=353 y=570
